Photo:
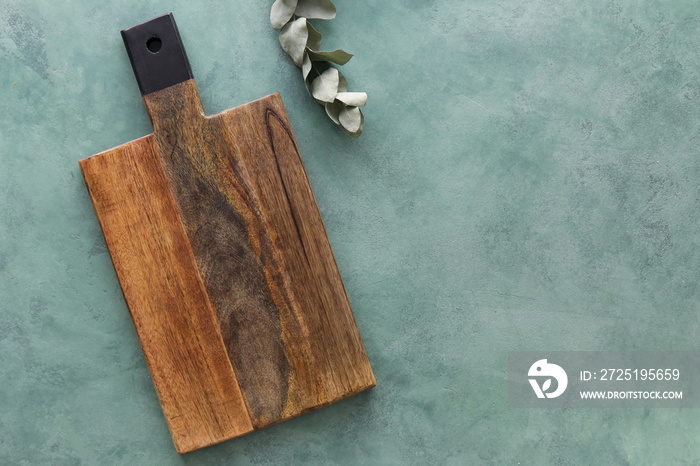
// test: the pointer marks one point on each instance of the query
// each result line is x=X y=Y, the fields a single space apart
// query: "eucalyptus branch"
x=302 y=41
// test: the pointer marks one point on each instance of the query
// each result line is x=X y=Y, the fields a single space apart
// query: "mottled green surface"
x=528 y=179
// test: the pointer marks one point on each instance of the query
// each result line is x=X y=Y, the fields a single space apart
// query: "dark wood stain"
x=191 y=148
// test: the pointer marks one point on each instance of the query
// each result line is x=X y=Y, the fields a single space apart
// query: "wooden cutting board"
x=222 y=257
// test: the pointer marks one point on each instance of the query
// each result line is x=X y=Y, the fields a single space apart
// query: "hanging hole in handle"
x=154 y=44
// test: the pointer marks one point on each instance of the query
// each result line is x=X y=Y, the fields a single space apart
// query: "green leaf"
x=301 y=41
x=314 y=40
x=333 y=110
x=306 y=69
x=354 y=99
x=352 y=120
x=293 y=38
x=338 y=56
x=342 y=83
x=318 y=9
x=281 y=12
x=325 y=87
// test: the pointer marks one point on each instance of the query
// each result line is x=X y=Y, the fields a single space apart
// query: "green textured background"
x=528 y=179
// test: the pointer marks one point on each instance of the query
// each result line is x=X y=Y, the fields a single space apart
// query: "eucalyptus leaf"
x=281 y=12
x=357 y=133
x=342 y=83
x=301 y=41
x=314 y=40
x=355 y=99
x=338 y=56
x=316 y=9
x=293 y=37
x=333 y=110
x=306 y=69
x=351 y=119
x=325 y=87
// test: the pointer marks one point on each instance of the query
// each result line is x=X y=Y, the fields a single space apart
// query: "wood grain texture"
x=327 y=358
x=175 y=322
x=246 y=210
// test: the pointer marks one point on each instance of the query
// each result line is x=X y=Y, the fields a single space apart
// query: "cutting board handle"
x=164 y=76
x=157 y=54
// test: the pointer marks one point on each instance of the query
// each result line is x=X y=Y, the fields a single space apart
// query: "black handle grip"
x=157 y=54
